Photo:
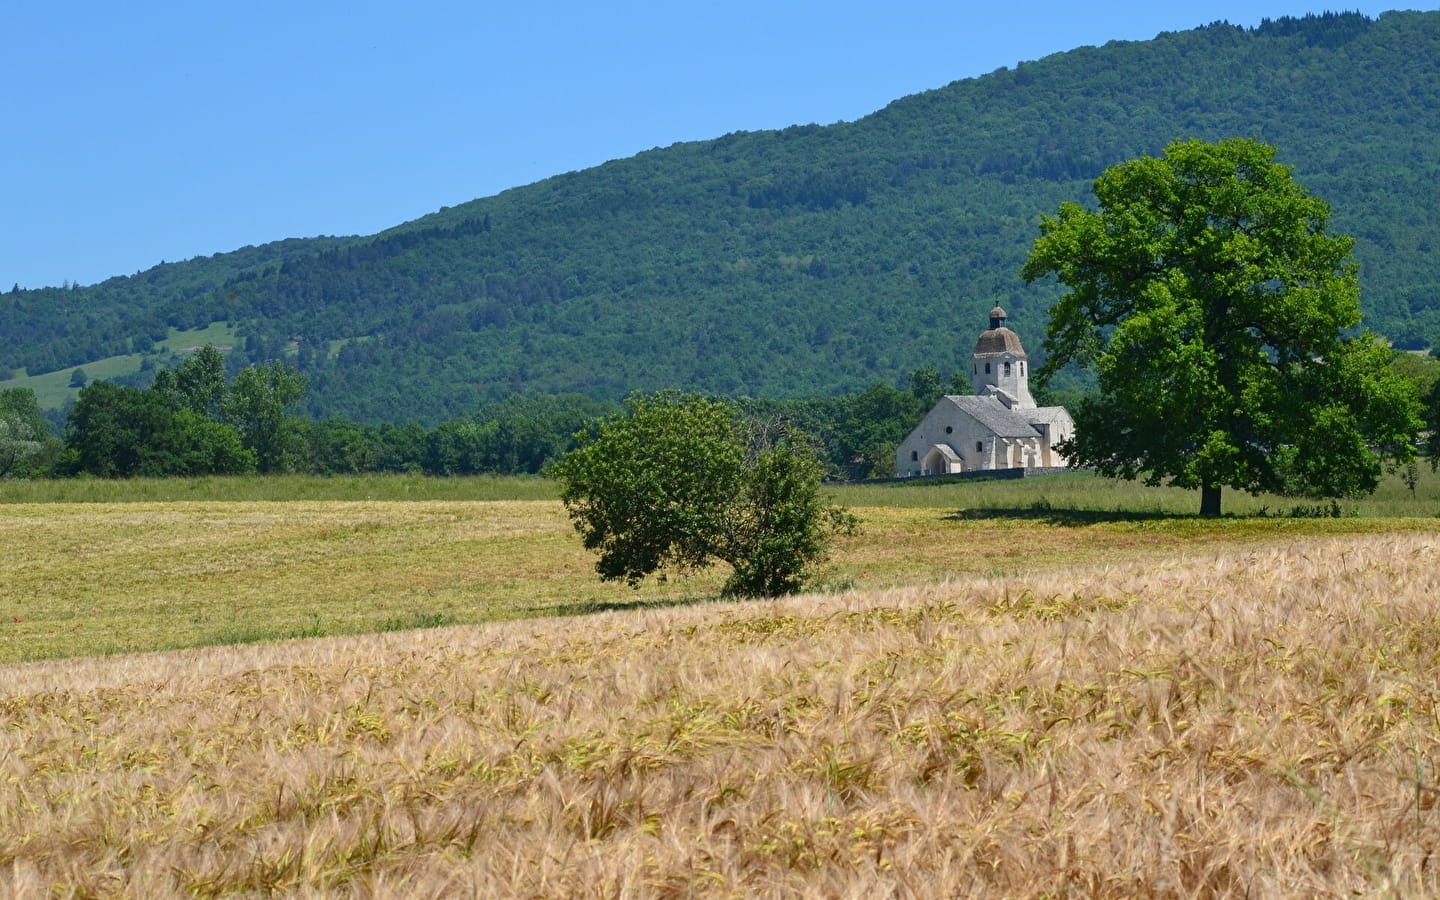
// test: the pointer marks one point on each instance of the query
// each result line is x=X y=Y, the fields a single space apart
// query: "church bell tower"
x=999 y=366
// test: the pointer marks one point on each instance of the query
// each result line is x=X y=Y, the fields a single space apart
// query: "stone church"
x=997 y=427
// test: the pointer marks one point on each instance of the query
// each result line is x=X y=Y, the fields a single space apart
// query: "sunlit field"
x=89 y=574
x=1255 y=720
x=417 y=687
x=276 y=488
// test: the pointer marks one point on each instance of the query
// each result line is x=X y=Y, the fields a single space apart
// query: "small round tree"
x=677 y=481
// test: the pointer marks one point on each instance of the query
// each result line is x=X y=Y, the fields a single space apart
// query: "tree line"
x=194 y=419
x=1207 y=293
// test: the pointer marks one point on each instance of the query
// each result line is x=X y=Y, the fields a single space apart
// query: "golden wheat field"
x=1132 y=711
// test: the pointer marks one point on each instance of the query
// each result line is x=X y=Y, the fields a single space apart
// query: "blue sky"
x=147 y=131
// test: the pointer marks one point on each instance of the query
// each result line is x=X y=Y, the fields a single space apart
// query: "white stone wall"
x=963 y=437
x=1060 y=428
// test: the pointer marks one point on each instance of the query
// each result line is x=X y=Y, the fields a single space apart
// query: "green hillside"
x=54 y=389
x=801 y=262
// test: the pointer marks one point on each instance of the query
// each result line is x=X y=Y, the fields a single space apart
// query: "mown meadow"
x=1059 y=686
x=103 y=567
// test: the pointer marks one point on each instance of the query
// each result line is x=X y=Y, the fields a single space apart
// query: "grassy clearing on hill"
x=52 y=389
x=1254 y=718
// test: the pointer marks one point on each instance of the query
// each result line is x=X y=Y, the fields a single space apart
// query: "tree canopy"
x=124 y=432
x=26 y=444
x=188 y=422
x=261 y=405
x=678 y=481
x=1212 y=300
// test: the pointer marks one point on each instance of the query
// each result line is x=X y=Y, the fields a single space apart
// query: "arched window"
x=979 y=446
x=987 y=368
x=914 y=455
x=1022 y=368
x=1007 y=368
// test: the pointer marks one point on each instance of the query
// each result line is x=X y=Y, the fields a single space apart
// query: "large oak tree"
x=1214 y=304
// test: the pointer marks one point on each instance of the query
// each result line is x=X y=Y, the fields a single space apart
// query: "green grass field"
x=277 y=489
x=1088 y=496
x=100 y=567
x=1077 y=496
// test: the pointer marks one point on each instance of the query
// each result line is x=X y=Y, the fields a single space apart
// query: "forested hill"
x=805 y=261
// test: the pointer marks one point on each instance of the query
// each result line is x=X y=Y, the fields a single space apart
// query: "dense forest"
x=808 y=262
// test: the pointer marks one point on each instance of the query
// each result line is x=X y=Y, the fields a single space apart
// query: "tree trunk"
x=1210 y=500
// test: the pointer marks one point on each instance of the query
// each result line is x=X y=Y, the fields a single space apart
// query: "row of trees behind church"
x=198 y=420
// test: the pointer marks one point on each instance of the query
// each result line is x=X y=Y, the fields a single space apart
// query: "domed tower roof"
x=998 y=339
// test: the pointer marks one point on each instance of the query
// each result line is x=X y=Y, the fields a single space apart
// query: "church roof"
x=999 y=340
x=994 y=415
x=1049 y=414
